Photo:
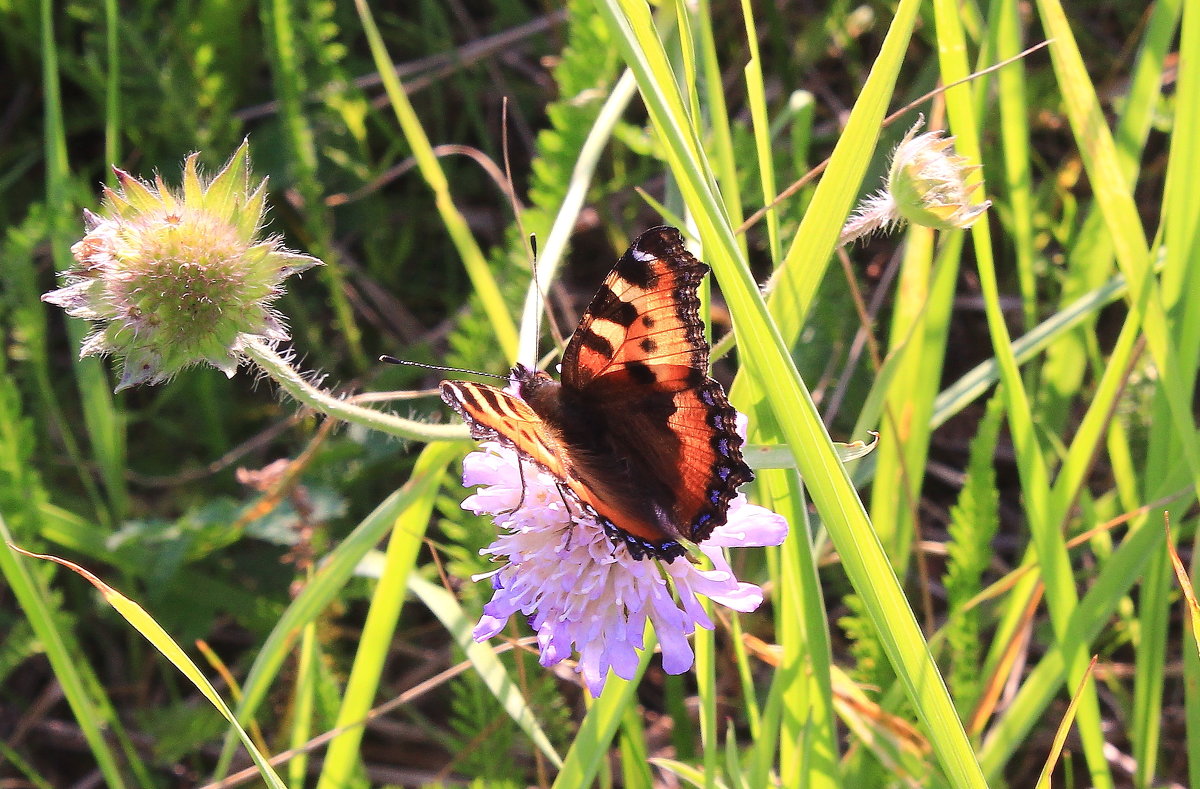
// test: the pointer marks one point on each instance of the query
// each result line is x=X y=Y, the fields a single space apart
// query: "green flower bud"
x=177 y=278
x=925 y=185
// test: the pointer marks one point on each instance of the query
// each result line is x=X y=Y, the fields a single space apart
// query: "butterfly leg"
x=562 y=494
x=521 y=501
x=521 y=471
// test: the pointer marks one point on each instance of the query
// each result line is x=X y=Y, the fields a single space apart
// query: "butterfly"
x=636 y=431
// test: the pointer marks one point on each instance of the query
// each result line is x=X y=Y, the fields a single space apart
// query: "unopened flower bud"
x=925 y=185
x=178 y=278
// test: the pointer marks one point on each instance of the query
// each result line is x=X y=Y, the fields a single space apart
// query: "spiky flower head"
x=926 y=185
x=174 y=278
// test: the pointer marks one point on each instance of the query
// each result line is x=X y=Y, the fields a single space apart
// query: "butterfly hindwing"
x=689 y=457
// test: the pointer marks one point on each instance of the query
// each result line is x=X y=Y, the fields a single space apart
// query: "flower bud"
x=925 y=185
x=177 y=278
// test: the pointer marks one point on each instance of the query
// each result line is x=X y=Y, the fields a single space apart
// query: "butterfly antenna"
x=512 y=190
x=407 y=363
x=543 y=297
x=531 y=246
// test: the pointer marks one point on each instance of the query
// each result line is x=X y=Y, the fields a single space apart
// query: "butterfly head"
x=536 y=388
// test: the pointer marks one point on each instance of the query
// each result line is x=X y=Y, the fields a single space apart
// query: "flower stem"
x=280 y=371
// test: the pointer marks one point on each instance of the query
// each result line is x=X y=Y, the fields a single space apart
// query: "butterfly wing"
x=639 y=362
x=637 y=431
x=495 y=415
x=647 y=311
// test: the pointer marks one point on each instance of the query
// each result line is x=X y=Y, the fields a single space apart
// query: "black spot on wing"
x=609 y=305
x=648 y=345
x=640 y=373
x=596 y=343
x=637 y=272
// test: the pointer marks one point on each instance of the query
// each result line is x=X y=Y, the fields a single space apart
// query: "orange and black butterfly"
x=636 y=431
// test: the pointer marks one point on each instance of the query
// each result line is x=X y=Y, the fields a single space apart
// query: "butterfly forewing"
x=647 y=312
x=495 y=415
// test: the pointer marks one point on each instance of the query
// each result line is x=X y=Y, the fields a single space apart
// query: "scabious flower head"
x=580 y=591
x=925 y=185
x=177 y=278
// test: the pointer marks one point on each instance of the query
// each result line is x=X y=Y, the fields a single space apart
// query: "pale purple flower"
x=580 y=591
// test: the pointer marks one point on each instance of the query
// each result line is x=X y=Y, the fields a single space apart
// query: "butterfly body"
x=636 y=430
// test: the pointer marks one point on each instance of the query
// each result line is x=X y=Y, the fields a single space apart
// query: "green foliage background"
x=1022 y=521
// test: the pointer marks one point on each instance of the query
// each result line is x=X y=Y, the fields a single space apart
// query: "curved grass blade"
x=135 y=615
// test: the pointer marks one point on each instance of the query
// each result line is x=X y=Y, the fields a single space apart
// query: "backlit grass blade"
x=1181 y=232
x=375 y=645
x=61 y=655
x=1060 y=736
x=1123 y=222
x=135 y=615
x=486 y=287
x=1060 y=594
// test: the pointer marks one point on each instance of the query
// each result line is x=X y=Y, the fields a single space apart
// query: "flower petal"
x=583 y=593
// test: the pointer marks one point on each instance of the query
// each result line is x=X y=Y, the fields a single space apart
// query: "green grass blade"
x=105 y=425
x=1055 y=565
x=485 y=285
x=1005 y=30
x=1181 y=233
x=757 y=99
x=1010 y=731
x=919 y=330
x=303 y=703
x=635 y=759
x=807 y=731
x=599 y=726
x=374 y=646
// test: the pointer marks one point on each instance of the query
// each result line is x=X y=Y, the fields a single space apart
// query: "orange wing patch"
x=495 y=415
x=646 y=313
x=710 y=465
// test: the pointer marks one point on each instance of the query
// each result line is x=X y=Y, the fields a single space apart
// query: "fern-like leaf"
x=973 y=522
